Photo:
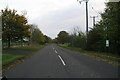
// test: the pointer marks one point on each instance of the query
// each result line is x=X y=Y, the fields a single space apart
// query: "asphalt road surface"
x=56 y=62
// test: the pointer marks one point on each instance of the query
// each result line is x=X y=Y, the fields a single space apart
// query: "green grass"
x=9 y=58
x=106 y=57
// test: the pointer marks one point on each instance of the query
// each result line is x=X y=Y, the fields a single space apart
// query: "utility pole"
x=86 y=17
x=86 y=13
x=94 y=20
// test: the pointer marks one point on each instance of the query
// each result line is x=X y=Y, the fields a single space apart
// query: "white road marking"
x=61 y=60
x=53 y=48
x=55 y=51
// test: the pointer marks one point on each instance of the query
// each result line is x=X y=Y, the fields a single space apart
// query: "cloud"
x=53 y=16
x=58 y=20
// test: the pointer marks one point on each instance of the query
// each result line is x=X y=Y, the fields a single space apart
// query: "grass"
x=106 y=57
x=9 y=58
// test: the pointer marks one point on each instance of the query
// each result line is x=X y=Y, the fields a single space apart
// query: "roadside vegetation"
x=9 y=58
x=18 y=34
x=102 y=41
x=106 y=57
x=20 y=39
x=17 y=55
x=16 y=31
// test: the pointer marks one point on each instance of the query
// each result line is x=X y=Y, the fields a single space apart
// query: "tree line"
x=15 y=28
x=107 y=29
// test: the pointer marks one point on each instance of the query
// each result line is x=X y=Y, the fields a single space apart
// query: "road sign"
x=107 y=43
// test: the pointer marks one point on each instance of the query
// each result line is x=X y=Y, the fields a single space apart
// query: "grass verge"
x=106 y=57
x=10 y=60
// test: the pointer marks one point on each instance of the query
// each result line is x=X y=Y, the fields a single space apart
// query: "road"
x=55 y=62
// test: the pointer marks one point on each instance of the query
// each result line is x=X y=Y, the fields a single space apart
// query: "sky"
x=53 y=16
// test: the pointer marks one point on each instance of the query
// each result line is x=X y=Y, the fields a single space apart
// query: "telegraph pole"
x=86 y=13
x=86 y=17
x=94 y=20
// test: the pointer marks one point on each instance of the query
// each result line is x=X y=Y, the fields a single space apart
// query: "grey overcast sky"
x=53 y=16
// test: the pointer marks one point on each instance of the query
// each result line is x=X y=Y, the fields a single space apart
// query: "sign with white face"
x=107 y=43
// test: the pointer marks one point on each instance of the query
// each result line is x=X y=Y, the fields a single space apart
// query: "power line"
x=94 y=9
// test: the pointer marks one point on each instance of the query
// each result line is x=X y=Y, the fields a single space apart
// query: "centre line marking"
x=61 y=60
x=55 y=51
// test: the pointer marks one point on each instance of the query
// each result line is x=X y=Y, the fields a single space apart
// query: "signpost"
x=107 y=43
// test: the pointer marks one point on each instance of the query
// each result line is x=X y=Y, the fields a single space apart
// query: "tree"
x=55 y=40
x=106 y=29
x=77 y=38
x=14 y=26
x=80 y=40
x=95 y=40
x=38 y=37
x=63 y=37
x=47 y=39
x=112 y=16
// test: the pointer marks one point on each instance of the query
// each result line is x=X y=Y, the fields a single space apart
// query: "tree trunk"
x=9 y=41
